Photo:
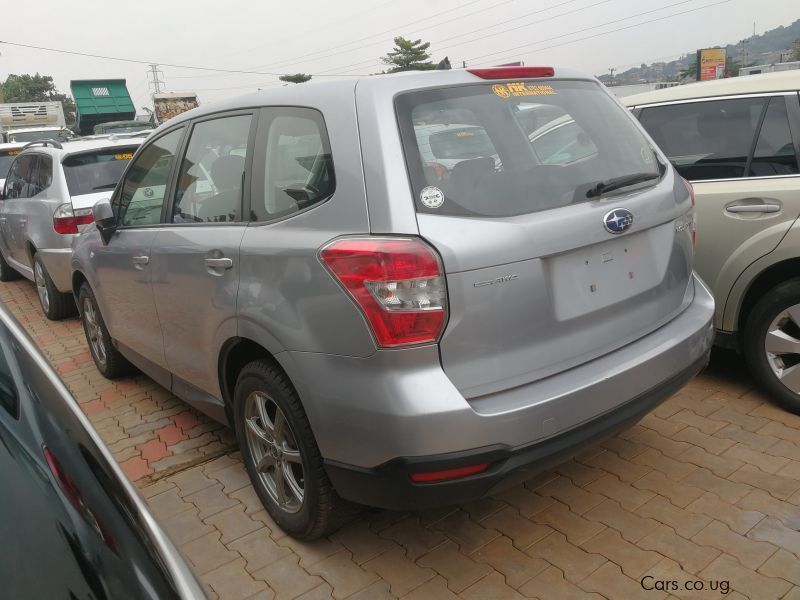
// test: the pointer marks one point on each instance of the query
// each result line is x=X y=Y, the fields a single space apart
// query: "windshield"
x=35 y=136
x=96 y=171
x=514 y=148
x=6 y=158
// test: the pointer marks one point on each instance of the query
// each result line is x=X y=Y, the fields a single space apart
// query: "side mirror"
x=104 y=219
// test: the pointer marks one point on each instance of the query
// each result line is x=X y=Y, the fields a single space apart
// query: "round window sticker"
x=431 y=197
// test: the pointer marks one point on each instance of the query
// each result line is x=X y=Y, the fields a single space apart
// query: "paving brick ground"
x=704 y=490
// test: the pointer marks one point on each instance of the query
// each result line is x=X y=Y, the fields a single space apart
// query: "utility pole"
x=611 y=70
x=156 y=81
x=743 y=53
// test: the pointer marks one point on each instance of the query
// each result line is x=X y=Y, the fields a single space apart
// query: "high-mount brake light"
x=512 y=72
x=398 y=283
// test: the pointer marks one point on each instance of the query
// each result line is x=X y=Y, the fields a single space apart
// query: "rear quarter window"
x=507 y=149
x=97 y=170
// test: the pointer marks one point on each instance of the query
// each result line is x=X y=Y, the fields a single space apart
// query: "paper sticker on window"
x=13 y=152
x=123 y=156
x=432 y=197
x=522 y=89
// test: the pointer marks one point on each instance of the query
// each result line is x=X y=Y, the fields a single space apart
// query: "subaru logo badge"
x=618 y=220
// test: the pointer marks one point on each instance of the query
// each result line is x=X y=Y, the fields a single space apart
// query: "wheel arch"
x=773 y=275
x=234 y=355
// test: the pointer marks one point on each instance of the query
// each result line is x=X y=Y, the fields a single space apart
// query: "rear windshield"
x=514 y=148
x=6 y=158
x=96 y=171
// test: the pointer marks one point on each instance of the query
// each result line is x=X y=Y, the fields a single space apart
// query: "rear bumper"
x=58 y=262
x=389 y=485
x=376 y=417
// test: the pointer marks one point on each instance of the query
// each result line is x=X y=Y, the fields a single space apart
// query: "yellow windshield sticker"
x=13 y=152
x=124 y=156
x=464 y=134
x=521 y=88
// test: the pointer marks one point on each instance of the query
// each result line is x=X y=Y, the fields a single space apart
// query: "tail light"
x=398 y=283
x=512 y=72
x=694 y=220
x=66 y=220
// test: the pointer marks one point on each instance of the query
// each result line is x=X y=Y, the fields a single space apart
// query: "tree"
x=36 y=88
x=296 y=78
x=408 y=56
x=690 y=70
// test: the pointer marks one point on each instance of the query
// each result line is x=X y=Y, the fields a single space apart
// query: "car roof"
x=780 y=81
x=80 y=145
x=12 y=145
x=307 y=94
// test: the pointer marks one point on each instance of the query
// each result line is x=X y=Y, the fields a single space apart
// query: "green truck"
x=100 y=101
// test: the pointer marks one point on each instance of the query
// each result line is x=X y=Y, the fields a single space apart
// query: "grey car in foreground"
x=72 y=524
x=385 y=329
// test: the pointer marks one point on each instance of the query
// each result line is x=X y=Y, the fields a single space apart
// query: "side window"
x=19 y=177
x=298 y=164
x=141 y=196
x=706 y=140
x=209 y=186
x=41 y=176
x=774 y=153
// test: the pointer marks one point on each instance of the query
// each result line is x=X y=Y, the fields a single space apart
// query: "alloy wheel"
x=782 y=345
x=93 y=331
x=41 y=286
x=274 y=451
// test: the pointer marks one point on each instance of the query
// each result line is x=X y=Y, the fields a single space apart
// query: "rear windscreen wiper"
x=105 y=186
x=616 y=183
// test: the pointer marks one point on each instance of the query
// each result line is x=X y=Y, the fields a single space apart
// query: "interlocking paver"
x=402 y=574
x=633 y=560
x=229 y=582
x=469 y=535
x=551 y=583
x=492 y=586
x=516 y=566
x=415 y=539
x=740 y=521
x=750 y=553
x=286 y=578
x=783 y=565
x=691 y=556
x=344 y=575
x=259 y=549
x=522 y=532
x=628 y=496
x=574 y=562
x=744 y=580
x=363 y=543
x=631 y=526
x=609 y=581
x=685 y=523
x=459 y=570
x=575 y=527
x=776 y=484
x=233 y=523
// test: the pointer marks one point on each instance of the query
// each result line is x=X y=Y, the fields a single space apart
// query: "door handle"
x=140 y=260
x=23 y=221
x=219 y=263
x=753 y=208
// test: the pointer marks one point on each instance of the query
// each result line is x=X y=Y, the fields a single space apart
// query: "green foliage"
x=796 y=50
x=296 y=78
x=408 y=55
x=36 y=88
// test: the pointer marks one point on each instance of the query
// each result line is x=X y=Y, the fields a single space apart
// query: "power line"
x=149 y=62
x=441 y=48
x=327 y=51
x=602 y=33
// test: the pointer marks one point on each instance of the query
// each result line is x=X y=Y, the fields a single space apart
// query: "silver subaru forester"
x=401 y=291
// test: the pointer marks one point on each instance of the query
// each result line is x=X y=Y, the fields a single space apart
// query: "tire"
x=318 y=510
x=107 y=358
x=777 y=315
x=7 y=273
x=55 y=305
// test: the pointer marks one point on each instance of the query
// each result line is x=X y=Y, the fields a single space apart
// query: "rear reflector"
x=398 y=283
x=513 y=72
x=434 y=476
x=66 y=221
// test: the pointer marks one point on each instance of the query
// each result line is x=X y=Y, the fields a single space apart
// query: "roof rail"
x=52 y=143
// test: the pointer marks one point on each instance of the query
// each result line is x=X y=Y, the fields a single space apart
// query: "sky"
x=346 y=37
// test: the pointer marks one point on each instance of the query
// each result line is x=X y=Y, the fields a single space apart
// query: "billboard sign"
x=711 y=63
